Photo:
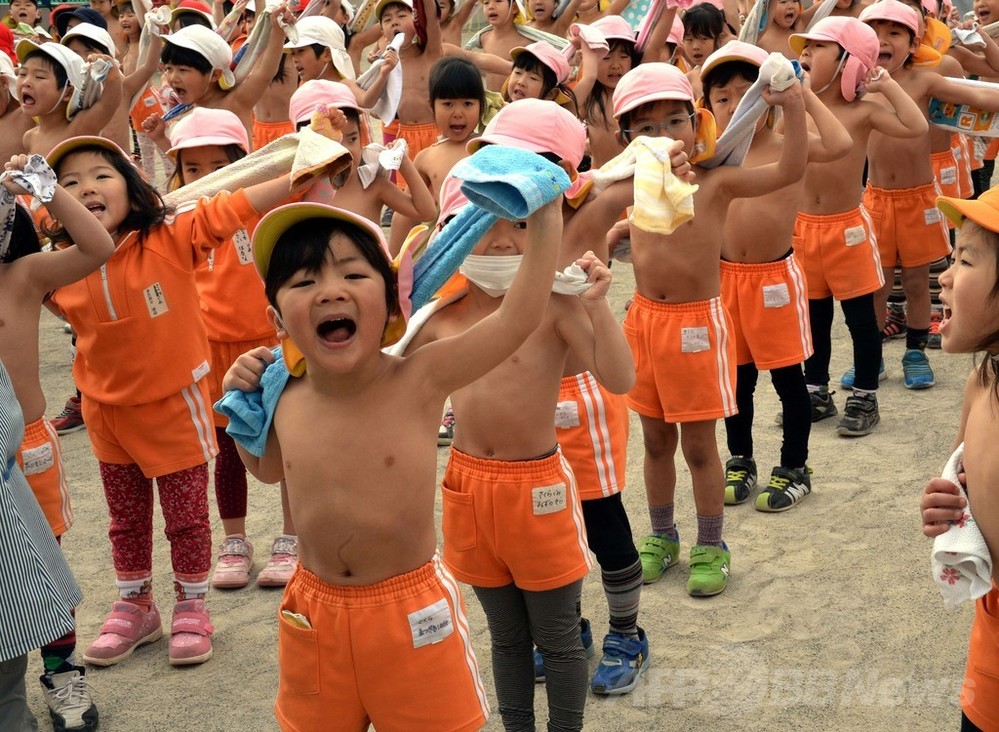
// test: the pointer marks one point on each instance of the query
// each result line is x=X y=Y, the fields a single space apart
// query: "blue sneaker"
x=622 y=665
x=916 y=371
x=585 y=635
x=847 y=381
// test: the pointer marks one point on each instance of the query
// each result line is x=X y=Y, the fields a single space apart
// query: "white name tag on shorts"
x=432 y=624
x=38 y=459
x=155 y=300
x=948 y=175
x=549 y=499
x=566 y=415
x=776 y=296
x=855 y=235
x=932 y=216
x=694 y=340
x=244 y=249
x=201 y=371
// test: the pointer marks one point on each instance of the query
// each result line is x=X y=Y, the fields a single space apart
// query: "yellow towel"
x=662 y=201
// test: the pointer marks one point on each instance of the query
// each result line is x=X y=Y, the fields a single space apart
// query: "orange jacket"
x=140 y=336
x=980 y=693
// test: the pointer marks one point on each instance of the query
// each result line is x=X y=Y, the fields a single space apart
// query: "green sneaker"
x=709 y=570
x=658 y=553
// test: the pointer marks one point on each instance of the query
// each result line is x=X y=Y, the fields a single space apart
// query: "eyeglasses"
x=670 y=126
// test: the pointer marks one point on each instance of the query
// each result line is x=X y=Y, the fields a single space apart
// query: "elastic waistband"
x=270 y=125
x=822 y=219
x=903 y=192
x=752 y=269
x=422 y=127
x=570 y=385
x=502 y=471
x=697 y=307
x=387 y=591
x=944 y=156
x=37 y=431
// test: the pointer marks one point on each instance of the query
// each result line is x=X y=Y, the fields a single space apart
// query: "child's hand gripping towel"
x=970 y=38
x=38 y=179
x=530 y=33
x=250 y=413
x=776 y=72
x=388 y=101
x=589 y=36
x=962 y=566
x=965 y=118
x=662 y=201
x=500 y=182
x=380 y=160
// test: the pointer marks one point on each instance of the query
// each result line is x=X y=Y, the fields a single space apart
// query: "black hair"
x=456 y=78
x=596 y=102
x=91 y=45
x=988 y=372
x=624 y=121
x=318 y=48
x=148 y=210
x=305 y=246
x=232 y=151
x=56 y=68
x=180 y=56
x=23 y=236
x=125 y=6
x=183 y=20
x=704 y=20
x=724 y=73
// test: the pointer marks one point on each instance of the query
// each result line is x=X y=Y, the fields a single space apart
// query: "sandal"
x=190 y=633
x=126 y=628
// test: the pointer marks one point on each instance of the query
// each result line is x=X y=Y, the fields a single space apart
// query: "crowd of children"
x=750 y=184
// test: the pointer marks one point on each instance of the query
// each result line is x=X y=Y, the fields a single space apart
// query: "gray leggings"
x=14 y=713
x=519 y=620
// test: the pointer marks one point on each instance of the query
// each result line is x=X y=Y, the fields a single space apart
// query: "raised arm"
x=137 y=81
x=433 y=28
x=488 y=63
x=252 y=88
x=244 y=375
x=92 y=120
x=417 y=202
x=833 y=140
x=905 y=119
x=659 y=35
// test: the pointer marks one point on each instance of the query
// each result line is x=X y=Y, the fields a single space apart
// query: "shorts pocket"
x=298 y=657
x=458 y=522
x=634 y=339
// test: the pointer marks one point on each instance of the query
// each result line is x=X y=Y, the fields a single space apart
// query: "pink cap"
x=451 y=199
x=895 y=12
x=317 y=92
x=651 y=82
x=538 y=125
x=614 y=27
x=856 y=38
x=203 y=126
x=546 y=54
x=734 y=51
x=676 y=32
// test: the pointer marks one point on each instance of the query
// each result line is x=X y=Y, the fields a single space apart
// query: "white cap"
x=93 y=33
x=70 y=62
x=318 y=29
x=209 y=44
x=7 y=69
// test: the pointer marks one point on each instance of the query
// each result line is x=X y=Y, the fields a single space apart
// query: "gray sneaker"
x=70 y=702
x=823 y=406
x=860 y=415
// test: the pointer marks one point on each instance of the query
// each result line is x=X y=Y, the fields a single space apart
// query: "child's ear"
x=275 y=320
x=215 y=75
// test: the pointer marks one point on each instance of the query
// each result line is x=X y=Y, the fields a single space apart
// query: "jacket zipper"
x=107 y=292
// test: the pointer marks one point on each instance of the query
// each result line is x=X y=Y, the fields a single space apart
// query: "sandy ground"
x=830 y=621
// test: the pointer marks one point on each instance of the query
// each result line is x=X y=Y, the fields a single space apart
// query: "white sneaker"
x=281 y=565
x=69 y=698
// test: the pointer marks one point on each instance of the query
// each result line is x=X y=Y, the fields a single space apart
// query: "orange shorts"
x=396 y=654
x=40 y=458
x=684 y=359
x=992 y=150
x=768 y=304
x=839 y=254
x=962 y=154
x=417 y=137
x=224 y=355
x=160 y=437
x=265 y=132
x=145 y=106
x=518 y=522
x=946 y=173
x=592 y=429
x=908 y=226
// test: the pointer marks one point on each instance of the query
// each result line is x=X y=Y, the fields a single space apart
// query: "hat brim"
x=278 y=221
x=981 y=212
x=220 y=140
x=797 y=40
x=65 y=147
x=708 y=68
x=655 y=96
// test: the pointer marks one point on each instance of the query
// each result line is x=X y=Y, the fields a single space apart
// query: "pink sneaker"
x=234 y=565
x=125 y=629
x=281 y=565
x=190 y=633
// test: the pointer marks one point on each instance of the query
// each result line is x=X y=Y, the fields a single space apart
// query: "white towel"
x=388 y=101
x=380 y=160
x=971 y=38
x=962 y=566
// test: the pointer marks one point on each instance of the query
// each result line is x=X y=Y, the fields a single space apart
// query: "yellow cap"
x=984 y=211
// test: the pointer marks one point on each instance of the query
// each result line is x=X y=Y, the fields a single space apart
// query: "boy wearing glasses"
x=677 y=326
